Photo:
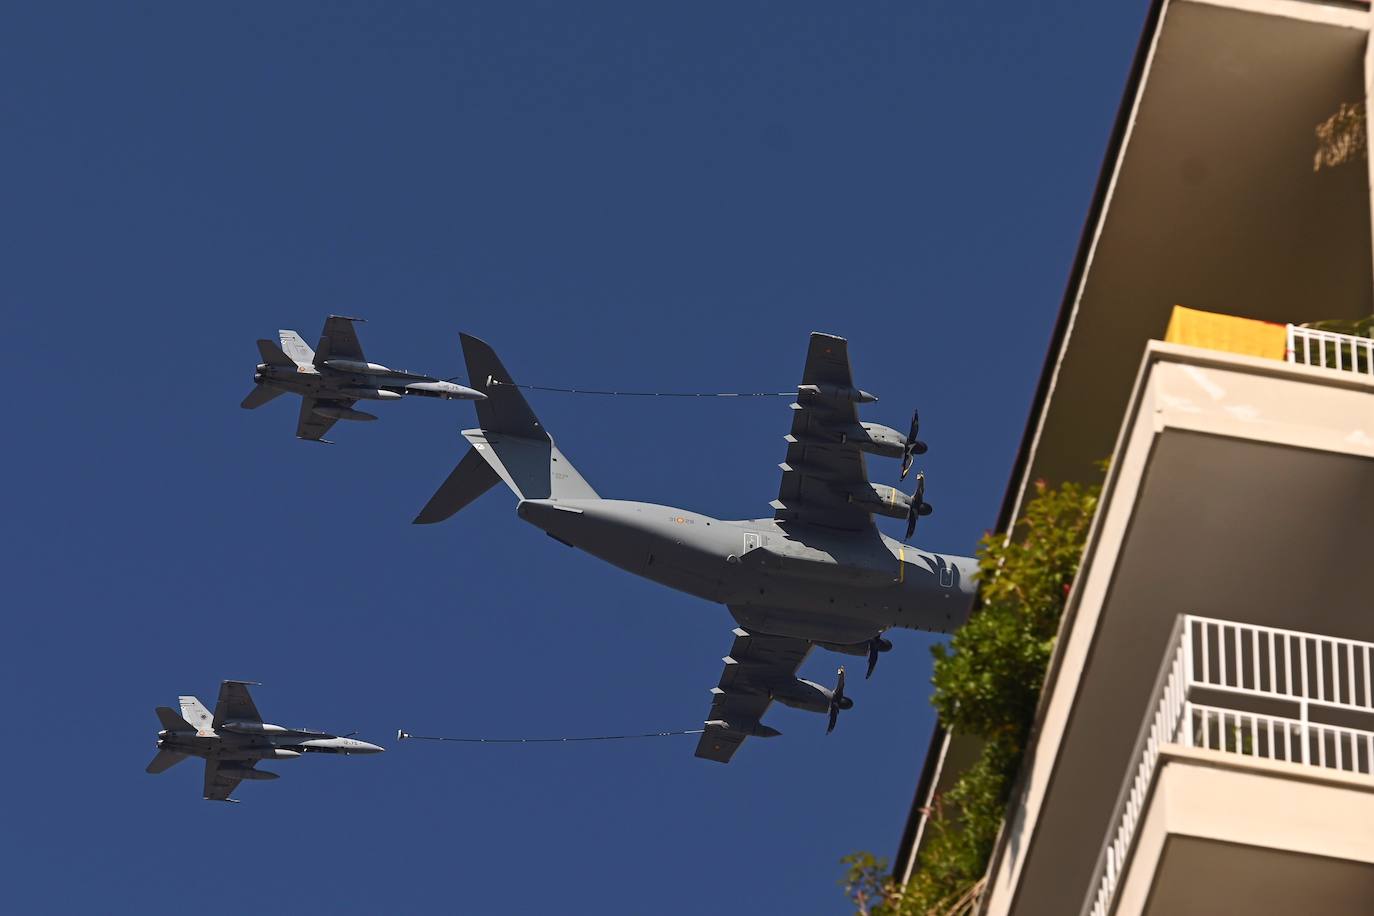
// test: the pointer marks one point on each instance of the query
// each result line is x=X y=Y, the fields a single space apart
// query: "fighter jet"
x=333 y=378
x=235 y=739
x=817 y=573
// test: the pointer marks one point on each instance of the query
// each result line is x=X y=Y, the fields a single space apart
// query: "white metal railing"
x=1237 y=665
x=1331 y=350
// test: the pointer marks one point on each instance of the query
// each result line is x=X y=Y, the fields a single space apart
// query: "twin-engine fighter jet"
x=331 y=379
x=235 y=739
x=818 y=573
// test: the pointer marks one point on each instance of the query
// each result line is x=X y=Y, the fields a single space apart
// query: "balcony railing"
x=1270 y=693
x=1331 y=350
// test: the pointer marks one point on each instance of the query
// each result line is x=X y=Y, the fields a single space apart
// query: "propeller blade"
x=914 y=446
x=875 y=645
x=837 y=702
x=918 y=507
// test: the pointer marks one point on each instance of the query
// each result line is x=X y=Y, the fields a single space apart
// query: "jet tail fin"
x=173 y=722
x=164 y=761
x=511 y=439
x=273 y=355
x=259 y=396
x=195 y=713
x=296 y=348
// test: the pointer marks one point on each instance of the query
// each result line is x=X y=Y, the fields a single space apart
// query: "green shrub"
x=987 y=683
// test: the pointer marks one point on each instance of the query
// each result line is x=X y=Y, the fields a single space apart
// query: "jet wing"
x=235 y=703
x=338 y=340
x=311 y=425
x=220 y=782
x=756 y=664
x=821 y=469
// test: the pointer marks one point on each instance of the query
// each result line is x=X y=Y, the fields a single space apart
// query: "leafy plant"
x=987 y=683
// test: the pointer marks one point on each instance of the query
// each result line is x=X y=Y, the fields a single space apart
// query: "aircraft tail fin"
x=171 y=721
x=296 y=348
x=511 y=446
x=164 y=761
x=259 y=396
x=273 y=355
x=195 y=713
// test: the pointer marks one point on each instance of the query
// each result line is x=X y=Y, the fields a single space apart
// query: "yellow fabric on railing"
x=1227 y=332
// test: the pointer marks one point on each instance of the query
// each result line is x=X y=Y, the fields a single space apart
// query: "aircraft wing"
x=220 y=782
x=338 y=340
x=311 y=425
x=235 y=704
x=821 y=470
x=755 y=664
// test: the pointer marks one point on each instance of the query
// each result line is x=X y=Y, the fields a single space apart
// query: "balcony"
x=1253 y=691
x=1330 y=350
x=1238 y=488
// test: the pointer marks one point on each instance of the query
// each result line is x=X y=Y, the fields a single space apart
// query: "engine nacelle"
x=878 y=439
x=836 y=393
x=369 y=394
x=802 y=694
x=883 y=500
x=857 y=648
x=873 y=438
x=359 y=366
x=253 y=728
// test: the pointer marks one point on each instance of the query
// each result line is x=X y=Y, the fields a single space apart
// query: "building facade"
x=1205 y=738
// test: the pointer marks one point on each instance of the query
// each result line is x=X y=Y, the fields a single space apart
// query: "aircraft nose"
x=366 y=748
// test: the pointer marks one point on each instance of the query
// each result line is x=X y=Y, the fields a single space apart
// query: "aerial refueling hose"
x=643 y=394
x=402 y=735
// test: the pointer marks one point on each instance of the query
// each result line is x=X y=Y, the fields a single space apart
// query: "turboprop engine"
x=873 y=438
x=369 y=394
x=883 y=500
x=803 y=694
x=336 y=412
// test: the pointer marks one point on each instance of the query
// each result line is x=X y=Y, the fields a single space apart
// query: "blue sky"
x=613 y=194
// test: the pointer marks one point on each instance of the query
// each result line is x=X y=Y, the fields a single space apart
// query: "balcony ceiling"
x=1198 y=877
x=1216 y=205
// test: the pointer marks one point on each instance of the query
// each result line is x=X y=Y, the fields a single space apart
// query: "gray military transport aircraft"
x=235 y=739
x=334 y=377
x=818 y=573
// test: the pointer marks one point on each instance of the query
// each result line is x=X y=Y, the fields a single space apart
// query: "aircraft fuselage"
x=779 y=577
x=326 y=382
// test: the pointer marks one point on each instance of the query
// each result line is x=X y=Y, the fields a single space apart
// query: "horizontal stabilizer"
x=259 y=396
x=273 y=355
x=173 y=722
x=164 y=761
x=472 y=477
